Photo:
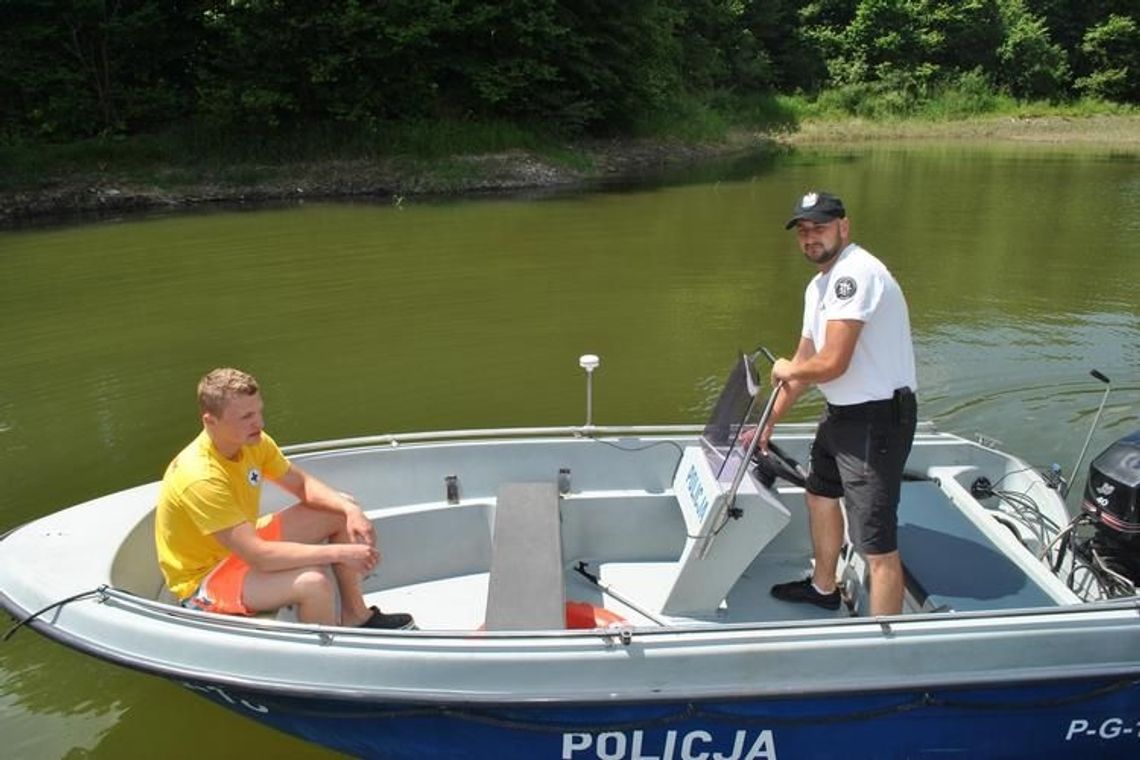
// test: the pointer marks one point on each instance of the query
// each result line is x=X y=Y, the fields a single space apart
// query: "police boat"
x=601 y=593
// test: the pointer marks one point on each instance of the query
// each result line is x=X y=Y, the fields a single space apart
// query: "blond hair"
x=220 y=385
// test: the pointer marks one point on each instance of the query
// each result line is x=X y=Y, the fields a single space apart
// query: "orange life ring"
x=584 y=615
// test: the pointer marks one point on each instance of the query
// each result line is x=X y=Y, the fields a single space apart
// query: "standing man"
x=218 y=555
x=856 y=347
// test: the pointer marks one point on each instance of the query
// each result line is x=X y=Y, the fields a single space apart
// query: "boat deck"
x=952 y=563
x=460 y=603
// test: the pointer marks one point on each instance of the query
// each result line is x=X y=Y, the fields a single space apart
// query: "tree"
x=1069 y=21
x=77 y=68
x=907 y=44
x=1113 y=48
x=1030 y=64
x=775 y=29
x=272 y=63
x=84 y=67
x=963 y=35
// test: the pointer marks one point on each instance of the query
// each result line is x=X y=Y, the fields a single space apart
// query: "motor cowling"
x=1112 y=499
x=1113 y=486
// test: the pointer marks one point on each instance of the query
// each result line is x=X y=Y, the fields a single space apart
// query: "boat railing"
x=562 y=431
x=889 y=625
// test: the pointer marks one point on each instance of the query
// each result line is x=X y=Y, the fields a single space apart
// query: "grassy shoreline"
x=1109 y=130
x=138 y=181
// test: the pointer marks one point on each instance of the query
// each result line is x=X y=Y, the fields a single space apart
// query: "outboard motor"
x=1112 y=500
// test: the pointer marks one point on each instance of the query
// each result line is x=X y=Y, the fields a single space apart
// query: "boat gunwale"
x=887 y=624
x=562 y=431
x=1128 y=674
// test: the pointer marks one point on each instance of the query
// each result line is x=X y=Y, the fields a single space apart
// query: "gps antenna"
x=589 y=362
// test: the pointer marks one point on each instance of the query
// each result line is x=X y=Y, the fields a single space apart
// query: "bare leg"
x=886 y=583
x=303 y=524
x=825 y=518
x=307 y=587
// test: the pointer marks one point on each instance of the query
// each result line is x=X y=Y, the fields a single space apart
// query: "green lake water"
x=1021 y=266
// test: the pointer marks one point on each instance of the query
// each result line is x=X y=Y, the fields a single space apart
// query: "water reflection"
x=51 y=703
x=56 y=703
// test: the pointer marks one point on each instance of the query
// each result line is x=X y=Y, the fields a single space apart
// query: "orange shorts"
x=221 y=589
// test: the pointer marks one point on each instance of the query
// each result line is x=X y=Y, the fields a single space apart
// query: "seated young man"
x=218 y=555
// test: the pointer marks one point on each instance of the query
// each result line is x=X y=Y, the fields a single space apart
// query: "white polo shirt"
x=859 y=287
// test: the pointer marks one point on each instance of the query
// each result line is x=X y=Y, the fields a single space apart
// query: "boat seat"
x=950 y=564
x=526 y=588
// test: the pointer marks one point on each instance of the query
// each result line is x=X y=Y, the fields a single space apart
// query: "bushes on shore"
x=76 y=70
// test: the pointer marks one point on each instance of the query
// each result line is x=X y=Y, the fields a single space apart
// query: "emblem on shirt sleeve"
x=254 y=477
x=844 y=288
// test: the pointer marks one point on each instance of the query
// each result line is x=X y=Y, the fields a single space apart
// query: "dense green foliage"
x=81 y=68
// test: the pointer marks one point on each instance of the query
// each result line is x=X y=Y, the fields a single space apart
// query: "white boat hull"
x=1014 y=646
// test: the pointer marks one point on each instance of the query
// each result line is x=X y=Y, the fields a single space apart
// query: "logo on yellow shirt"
x=254 y=477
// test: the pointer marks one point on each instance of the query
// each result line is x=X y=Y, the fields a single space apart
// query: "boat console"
x=729 y=516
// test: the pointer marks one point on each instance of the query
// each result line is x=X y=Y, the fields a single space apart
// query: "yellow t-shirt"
x=203 y=492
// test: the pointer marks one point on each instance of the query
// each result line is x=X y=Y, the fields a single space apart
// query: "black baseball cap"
x=817 y=207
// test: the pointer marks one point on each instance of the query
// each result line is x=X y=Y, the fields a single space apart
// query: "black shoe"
x=803 y=591
x=392 y=621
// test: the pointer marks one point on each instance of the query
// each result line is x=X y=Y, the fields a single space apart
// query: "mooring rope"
x=75 y=597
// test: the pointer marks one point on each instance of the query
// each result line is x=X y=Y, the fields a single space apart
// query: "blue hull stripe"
x=1082 y=718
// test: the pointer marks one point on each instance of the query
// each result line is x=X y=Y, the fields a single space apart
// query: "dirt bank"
x=111 y=192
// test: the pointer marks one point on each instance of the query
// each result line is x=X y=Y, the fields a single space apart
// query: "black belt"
x=872 y=410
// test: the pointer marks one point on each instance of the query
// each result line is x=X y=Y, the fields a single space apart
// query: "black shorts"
x=859 y=453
